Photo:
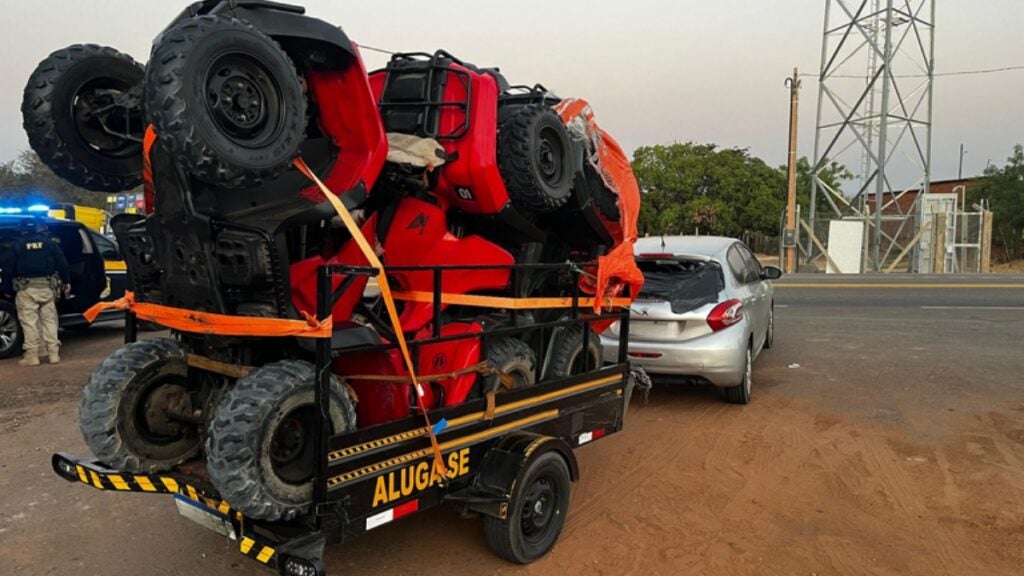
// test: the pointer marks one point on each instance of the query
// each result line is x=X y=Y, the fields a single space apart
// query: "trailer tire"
x=535 y=156
x=58 y=112
x=227 y=100
x=513 y=357
x=119 y=414
x=567 y=356
x=536 y=511
x=261 y=441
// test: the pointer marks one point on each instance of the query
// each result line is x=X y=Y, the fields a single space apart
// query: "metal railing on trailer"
x=371 y=476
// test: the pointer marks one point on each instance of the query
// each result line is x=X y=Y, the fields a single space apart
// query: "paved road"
x=886 y=437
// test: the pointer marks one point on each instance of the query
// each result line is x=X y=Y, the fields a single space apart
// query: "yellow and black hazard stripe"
x=253 y=549
x=146 y=483
x=470 y=418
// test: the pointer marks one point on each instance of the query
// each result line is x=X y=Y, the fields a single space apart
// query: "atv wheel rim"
x=550 y=157
x=540 y=506
x=8 y=330
x=292 y=446
x=244 y=100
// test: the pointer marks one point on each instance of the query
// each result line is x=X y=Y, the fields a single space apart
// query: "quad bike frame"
x=372 y=476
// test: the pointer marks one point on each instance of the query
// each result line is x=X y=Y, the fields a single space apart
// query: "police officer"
x=40 y=272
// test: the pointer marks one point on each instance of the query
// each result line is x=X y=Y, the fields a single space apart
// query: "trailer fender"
x=502 y=467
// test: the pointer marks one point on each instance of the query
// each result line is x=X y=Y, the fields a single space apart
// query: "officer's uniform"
x=38 y=271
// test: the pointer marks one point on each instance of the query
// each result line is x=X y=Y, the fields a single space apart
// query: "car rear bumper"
x=719 y=358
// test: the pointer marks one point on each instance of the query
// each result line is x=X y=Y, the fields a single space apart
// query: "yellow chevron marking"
x=470 y=418
x=81 y=474
x=118 y=482
x=192 y=493
x=247 y=544
x=96 y=480
x=145 y=484
x=446 y=446
x=265 y=554
x=171 y=484
x=224 y=508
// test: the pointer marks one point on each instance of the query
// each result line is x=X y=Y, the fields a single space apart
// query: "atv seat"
x=347 y=335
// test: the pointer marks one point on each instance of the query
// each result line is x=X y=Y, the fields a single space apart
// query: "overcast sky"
x=656 y=71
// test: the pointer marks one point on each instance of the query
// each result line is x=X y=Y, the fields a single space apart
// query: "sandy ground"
x=854 y=458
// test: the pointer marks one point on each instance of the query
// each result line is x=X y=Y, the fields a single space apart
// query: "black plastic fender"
x=310 y=42
x=502 y=467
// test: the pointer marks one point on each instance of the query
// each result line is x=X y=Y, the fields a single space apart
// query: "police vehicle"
x=95 y=266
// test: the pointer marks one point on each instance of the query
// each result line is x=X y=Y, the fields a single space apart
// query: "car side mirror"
x=770 y=273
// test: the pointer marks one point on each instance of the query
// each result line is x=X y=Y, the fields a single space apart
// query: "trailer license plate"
x=205 y=517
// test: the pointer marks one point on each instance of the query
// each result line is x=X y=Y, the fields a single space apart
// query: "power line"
x=381 y=50
x=935 y=75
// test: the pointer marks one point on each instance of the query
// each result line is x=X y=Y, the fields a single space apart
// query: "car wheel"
x=740 y=394
x=11 y=336
x=769 y=338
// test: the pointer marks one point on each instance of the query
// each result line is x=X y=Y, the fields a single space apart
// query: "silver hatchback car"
x=705 y=313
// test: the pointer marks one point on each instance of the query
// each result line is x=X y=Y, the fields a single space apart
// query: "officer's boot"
x=54 y=356
x=29 y=359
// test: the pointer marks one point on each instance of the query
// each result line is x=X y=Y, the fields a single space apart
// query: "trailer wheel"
x=128 y=408
x=260 y=449
x=513 y=357
x=535 y=156
x=82 y=111
x=536 y=512
x=567 y=354
x=226 y=100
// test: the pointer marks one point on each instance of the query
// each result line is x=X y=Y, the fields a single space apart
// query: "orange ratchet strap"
x=477 y=301
x=220 y=324
x=389 y=303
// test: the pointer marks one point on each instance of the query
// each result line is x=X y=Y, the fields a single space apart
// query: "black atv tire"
x=11 y=335
x=225 y=100
x=114 y=412
x=57 y=112
x=513 y=357
x=567 y=356
x=257 y=470
x=535 y=156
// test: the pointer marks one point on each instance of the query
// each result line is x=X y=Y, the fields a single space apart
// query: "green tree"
x=688 y=187
x=1003 y=188
x=27 y=179
x=832 y=173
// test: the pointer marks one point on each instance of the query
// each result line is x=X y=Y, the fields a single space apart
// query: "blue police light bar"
x=11 y=211
x=39 y=208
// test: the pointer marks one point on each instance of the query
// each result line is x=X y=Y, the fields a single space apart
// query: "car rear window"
x=684 y=284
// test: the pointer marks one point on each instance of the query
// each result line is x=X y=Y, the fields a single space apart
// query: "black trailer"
x=509 y=457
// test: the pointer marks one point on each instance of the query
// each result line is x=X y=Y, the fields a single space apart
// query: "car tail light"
x=725 y=314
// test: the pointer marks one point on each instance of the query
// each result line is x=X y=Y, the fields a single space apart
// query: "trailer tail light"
x=725 y=314
x=295 y=566
x=591 y=436
x=392 y=514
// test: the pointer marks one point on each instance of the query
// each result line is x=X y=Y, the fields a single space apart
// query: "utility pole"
x=789 y=239
x=960 y=172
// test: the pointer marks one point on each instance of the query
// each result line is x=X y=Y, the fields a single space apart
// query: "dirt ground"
x=854 y=458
